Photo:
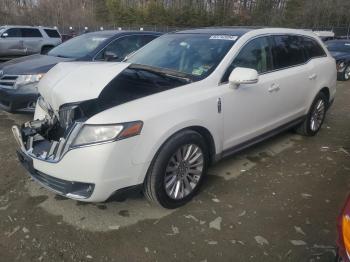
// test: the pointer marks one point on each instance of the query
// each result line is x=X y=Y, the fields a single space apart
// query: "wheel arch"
x=204 y=132
x=326 y=91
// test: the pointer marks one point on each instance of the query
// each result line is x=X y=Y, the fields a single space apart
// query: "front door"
x=32 y=40
x=250 y=110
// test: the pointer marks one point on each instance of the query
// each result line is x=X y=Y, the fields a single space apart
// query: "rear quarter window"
x=52 y=33
x=312 y=48
x=287 y=51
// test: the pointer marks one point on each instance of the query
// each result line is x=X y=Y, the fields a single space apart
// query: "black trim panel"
x=260 y=138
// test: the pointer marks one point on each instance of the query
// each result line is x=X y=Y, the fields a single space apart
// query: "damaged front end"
x=50 y=138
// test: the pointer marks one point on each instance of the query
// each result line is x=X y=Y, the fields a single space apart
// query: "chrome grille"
x=8 y=81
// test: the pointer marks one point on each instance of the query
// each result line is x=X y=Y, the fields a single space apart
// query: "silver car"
x=16 y=41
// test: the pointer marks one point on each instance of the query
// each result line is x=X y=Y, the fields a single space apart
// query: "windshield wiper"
x=163 y=71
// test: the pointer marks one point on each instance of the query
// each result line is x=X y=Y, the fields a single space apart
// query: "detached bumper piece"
x=76 y=190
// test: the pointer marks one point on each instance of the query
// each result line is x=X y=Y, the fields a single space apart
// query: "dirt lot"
x=276 y=202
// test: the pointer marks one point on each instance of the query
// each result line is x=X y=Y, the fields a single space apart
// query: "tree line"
x=179 y=13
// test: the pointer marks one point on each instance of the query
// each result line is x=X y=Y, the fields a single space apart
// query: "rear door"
x=12 y=43
x=32 y=40
x=292 y=72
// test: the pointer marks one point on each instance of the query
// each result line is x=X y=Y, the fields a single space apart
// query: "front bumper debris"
x=33 y=146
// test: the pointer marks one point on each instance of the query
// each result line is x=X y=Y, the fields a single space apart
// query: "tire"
x=313 y=123
x=165 y=183
x=346 y=75
x=46 y=49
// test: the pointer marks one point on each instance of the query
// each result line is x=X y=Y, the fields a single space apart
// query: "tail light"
x=344 y=232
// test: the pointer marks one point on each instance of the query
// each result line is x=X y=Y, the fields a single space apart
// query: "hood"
x=77 y=81
x=31 y=65
x=340 y=55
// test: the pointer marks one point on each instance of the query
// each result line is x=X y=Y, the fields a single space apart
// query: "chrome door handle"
x=313 y=77
x=274 y=88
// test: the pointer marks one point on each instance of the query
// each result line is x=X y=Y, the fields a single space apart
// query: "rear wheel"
x=315 y=118
x=177 y=171
x=346 y=74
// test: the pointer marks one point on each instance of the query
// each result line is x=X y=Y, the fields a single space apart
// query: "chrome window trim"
x=279 y=69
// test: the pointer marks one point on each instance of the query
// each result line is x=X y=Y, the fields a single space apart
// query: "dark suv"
x=19 y=77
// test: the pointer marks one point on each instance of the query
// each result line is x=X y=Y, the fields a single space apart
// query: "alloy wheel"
x=318 y=115
x=184 y=171
x=347 y=73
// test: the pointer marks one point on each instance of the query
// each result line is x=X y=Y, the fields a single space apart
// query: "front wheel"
x=177 y=170
x=315 y=118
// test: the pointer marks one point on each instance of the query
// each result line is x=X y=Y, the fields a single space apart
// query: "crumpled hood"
x=31 y=65
x=77 y=81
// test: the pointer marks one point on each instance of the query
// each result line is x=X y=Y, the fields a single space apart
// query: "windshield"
x=79 y=46
x=339 y=47
x=192 y=54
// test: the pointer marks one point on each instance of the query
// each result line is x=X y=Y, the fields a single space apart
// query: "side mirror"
x=110 y=56
x=4 y=35
x=242 y=75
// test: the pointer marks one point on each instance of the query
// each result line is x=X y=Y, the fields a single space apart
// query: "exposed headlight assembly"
x=27 y=81
x=92 y=134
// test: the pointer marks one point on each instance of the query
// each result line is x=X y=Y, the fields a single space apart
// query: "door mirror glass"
x=241 y=75
x=4 y=35
x=110 y=56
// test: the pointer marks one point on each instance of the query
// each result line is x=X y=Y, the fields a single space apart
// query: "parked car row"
x=19 y=77
x=340 y=50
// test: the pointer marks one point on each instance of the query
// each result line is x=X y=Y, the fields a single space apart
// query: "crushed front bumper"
x=89 y=174
x=69 y=189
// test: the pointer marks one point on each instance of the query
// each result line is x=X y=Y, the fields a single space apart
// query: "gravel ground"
x=275 y=202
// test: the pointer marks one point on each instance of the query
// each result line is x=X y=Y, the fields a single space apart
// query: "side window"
x=255 y=55
x=312 y=48
x=52 y=33
x=287 y=51
x=145 y=39
x=31 y=32
x=14 y=32
x=121 y=47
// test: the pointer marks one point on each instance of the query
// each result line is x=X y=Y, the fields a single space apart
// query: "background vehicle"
x=183 y=101
x=343 y=226
x=325 y=35
x=19 y=77
x=340 y=50
x=18 y=41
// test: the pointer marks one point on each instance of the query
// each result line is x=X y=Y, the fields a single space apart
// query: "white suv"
x=177 y=105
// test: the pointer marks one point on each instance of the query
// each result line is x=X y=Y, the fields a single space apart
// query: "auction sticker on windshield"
x=224 y=37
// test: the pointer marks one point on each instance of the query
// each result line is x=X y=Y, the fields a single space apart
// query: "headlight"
x=43 y=104
x=25 y=80
x=91 y=134
x=340 y=66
